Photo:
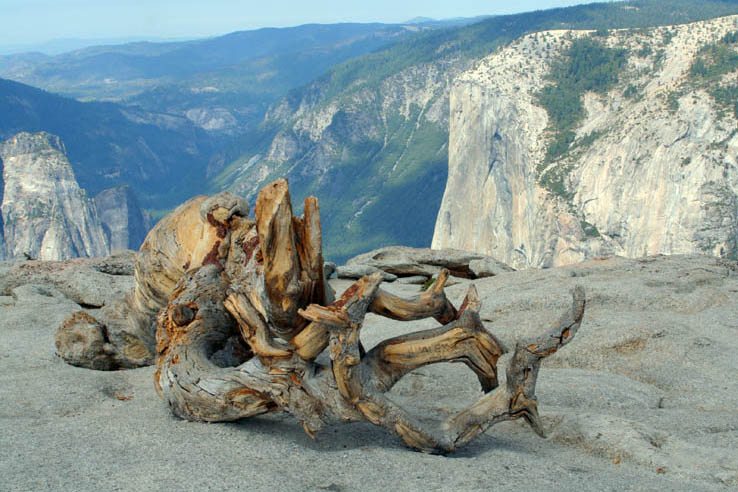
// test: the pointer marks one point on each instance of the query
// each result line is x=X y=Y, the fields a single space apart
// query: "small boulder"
x=82 y=341
x=413 y=280
x=488 y=267
x=358 y=271
x=329 y=268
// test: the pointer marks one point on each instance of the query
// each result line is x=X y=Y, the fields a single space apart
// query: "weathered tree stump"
x=248 y=312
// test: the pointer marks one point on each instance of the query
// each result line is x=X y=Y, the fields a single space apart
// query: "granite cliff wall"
x=123 y=221
x=652 y=168
x=45 y=214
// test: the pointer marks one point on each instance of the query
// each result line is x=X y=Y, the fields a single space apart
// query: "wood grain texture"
x=245 y=319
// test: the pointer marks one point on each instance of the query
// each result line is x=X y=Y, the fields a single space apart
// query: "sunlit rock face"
x=652 y=169
x=123 y=221
x=45 y=214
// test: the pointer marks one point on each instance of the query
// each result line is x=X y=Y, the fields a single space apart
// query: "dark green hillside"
x=380 y=170
x=161 y=157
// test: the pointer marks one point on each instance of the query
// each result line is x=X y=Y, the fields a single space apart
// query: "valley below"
x=464 y=134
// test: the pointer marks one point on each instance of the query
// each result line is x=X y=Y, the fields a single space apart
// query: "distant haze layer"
x=37 y=22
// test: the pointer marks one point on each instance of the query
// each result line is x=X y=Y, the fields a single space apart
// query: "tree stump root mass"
x=241 y=310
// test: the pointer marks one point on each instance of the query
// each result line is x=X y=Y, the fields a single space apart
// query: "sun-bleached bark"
x=248 y=313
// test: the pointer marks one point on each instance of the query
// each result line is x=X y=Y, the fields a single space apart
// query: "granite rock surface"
x=643 y=398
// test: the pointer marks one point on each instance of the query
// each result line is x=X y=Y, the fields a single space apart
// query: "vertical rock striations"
x=123 y=222
x=651 y=168
x=46 y=215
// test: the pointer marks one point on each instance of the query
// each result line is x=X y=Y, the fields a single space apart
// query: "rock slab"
x=642 y=399
x=404 y=261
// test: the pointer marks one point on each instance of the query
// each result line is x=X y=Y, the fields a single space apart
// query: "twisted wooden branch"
x=242 y=337
x=248 y=321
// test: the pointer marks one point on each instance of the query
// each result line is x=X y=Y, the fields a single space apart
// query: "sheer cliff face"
x=652 y=169
x=45 y=213
x=123 y=222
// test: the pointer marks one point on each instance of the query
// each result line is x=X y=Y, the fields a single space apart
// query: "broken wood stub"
x=293 y=258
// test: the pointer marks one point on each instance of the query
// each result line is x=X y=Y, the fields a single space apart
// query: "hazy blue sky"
x=33 y=21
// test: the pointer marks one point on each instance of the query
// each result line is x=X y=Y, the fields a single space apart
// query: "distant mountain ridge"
x=64 y=45
x=224 y=84
x=240 y=73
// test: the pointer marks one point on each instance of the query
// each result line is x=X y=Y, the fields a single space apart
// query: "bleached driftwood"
x=249 y=312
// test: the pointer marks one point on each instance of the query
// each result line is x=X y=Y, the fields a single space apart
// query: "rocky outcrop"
x=123 y=221
x=652 y=168
x=359 y=271
x=647 y=383
x=402 y=261
x=213 y=119
x=90 y=282
x=46 y=215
